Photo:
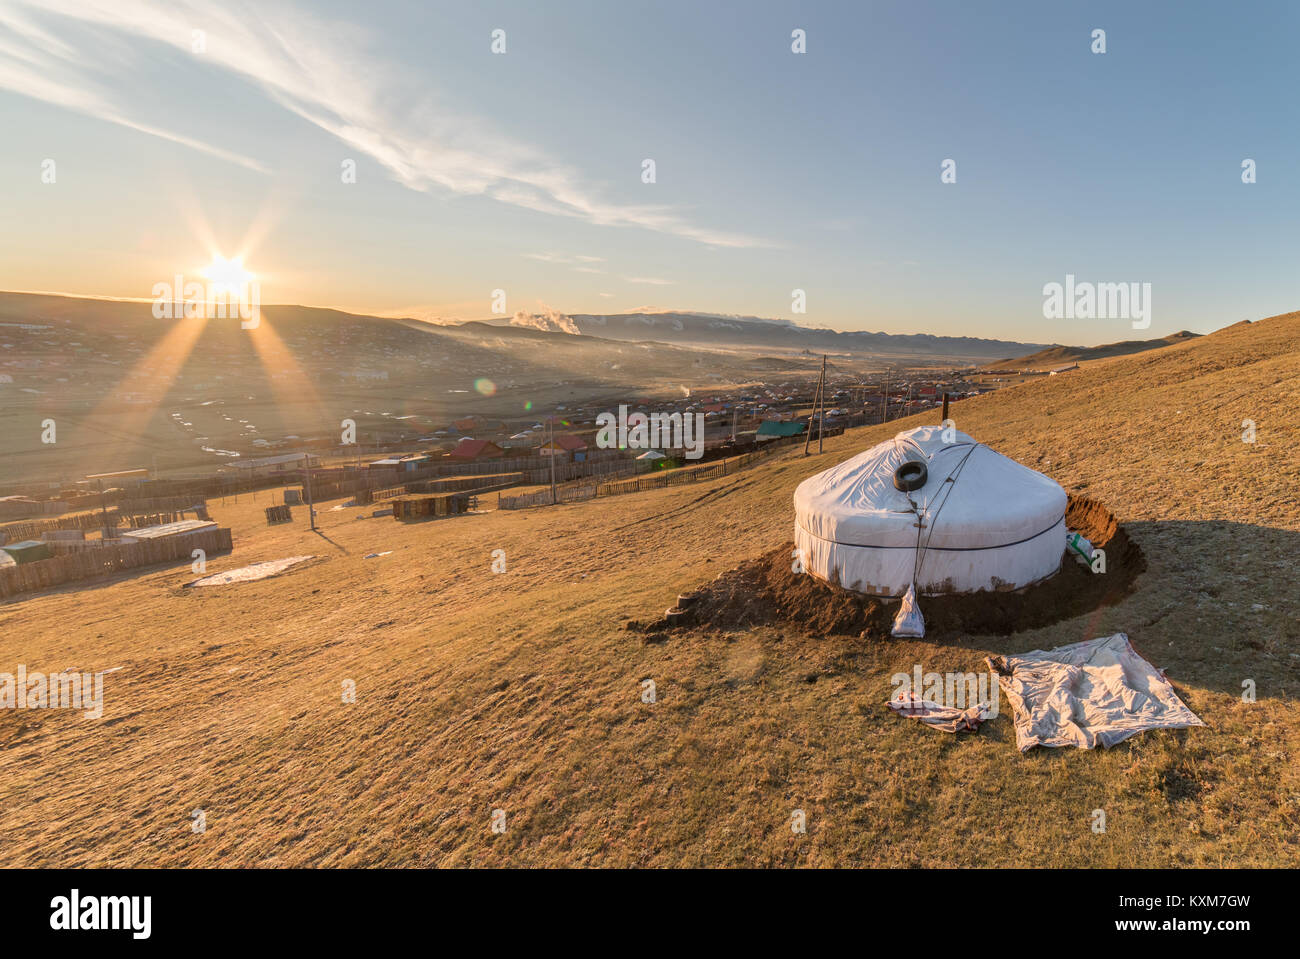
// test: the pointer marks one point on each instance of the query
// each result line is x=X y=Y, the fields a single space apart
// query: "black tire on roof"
x=910 y=476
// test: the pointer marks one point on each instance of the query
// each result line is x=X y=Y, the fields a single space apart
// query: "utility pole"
x=552 y=422
x=812 y=415
x=311 y=510
x=103 y=506
x=884 y=412
x=821 y=417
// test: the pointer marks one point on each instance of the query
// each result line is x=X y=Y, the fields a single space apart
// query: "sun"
x=227 y=276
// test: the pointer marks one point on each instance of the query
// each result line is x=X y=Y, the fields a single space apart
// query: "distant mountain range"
x=686 y=330
x=717 y=330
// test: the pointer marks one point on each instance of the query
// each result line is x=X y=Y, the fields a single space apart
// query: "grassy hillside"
x=1060 y=355
x=522 y=691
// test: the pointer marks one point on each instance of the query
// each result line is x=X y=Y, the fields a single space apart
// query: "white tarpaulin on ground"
x=249 y=574
x=980 y=521
x=1095 y=693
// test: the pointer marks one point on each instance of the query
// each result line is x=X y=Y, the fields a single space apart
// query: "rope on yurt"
x=949 y=482
x=910 y=621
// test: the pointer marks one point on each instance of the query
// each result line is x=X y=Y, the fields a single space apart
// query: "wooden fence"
x=584 y=470
x=477 y=484
x=690 y=474
x=563 y=494
x=456 y=484
x=133 y=513
x=86 y=563
x=16 y=532
x=513 y=464
x=437 y=504
x=379 y=495
x=345 y=481
x=19 y=510
x=155 y=519
x=384 y=485
x=159 y=504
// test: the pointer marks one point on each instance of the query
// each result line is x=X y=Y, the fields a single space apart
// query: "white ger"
x=948 y=516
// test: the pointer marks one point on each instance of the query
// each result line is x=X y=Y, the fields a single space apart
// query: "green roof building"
x=777 y=428
x=28 y=551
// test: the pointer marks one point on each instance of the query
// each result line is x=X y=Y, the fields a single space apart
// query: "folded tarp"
x=950 y=719
x=1095 y=693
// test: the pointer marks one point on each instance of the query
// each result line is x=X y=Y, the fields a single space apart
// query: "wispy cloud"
x=564 y=258
x=567 y=260
x=650 y=280
x=324 y=72
x=37 y=63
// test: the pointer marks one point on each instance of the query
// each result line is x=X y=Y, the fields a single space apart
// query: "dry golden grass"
x=522 y=691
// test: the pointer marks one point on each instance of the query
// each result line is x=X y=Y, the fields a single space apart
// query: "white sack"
x=909 y=623
x=1079 y=548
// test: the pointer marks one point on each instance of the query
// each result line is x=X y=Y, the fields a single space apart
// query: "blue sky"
x=775 y=171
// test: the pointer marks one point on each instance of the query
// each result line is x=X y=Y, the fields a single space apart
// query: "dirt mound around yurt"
x=767 y=590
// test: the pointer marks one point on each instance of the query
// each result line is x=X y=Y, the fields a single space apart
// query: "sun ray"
x=290 y=385
x=151 y=379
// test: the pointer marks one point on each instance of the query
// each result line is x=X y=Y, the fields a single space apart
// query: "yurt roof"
x=973 y=498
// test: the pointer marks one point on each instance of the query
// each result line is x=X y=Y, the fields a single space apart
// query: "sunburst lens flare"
x=227 y=276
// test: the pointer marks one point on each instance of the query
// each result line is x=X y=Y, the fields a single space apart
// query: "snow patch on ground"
x=247 y=574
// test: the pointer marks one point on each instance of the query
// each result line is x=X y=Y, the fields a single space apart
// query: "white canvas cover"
x=1095 y=693
x=997 y=525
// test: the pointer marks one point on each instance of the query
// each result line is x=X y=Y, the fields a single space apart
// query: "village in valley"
x=139 y=444
x=470 y=461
